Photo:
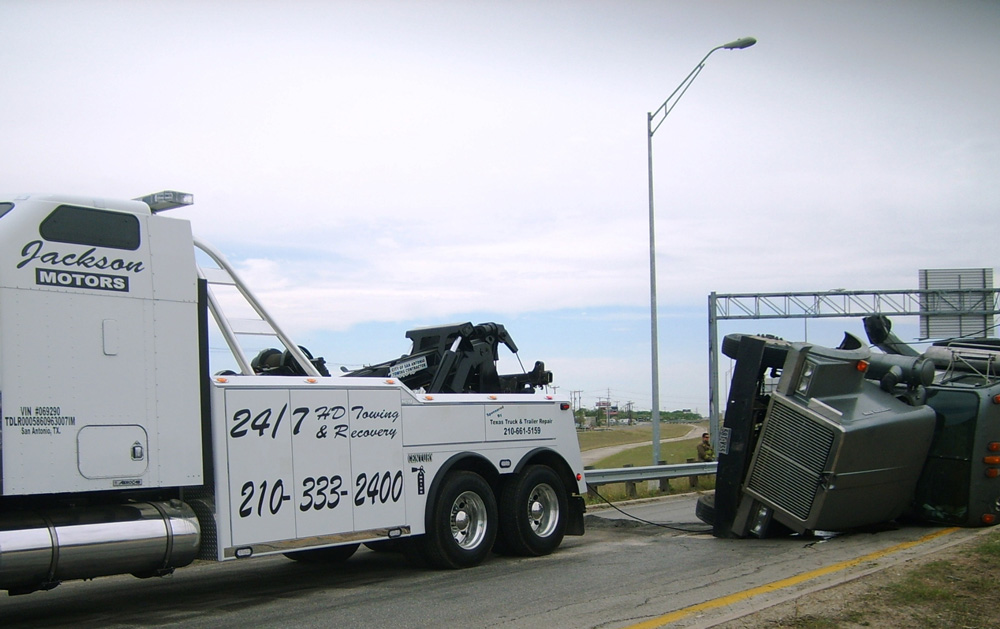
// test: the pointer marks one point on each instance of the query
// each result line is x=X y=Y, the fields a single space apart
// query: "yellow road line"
x=723 y=601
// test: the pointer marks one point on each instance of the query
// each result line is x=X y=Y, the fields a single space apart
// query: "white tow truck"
x=124 y=450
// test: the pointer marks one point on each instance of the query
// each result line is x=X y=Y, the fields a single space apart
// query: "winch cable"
x=665 y=525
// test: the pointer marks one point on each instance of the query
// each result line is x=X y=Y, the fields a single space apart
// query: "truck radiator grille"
x=791 y=455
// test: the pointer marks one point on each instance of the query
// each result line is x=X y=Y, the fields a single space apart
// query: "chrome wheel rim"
x=543 y=510
x=468 y=520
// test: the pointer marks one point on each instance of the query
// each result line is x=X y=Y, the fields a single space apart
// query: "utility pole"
x=576 y=399
x=576 y=403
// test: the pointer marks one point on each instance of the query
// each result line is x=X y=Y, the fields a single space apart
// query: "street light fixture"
x=666 y=108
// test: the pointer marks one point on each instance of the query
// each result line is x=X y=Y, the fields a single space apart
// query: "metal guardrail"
x=649 y=472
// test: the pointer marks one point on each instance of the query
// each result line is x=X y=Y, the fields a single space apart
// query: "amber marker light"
x=492 y=397
x=428 y=397
x=222 y=380
x=991 y=460
x=312 y=380
x=993 y=446
x=390 y=381
x=992 y=472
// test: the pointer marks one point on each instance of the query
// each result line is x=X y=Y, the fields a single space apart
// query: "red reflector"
x=564 y=406
x=991 y=460
x=992 y=472
x=993 y=446
x=996 y=399
x=862 y=365
x=988 y=518
x=579 y=476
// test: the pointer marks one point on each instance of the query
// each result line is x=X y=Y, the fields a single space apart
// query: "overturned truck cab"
x=831 y=439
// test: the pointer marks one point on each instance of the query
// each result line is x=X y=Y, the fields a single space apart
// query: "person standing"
x=705 y=451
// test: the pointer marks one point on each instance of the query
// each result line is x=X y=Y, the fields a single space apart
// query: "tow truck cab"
x=86 y=388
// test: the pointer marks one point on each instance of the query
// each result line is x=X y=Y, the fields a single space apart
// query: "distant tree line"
x=599 y=417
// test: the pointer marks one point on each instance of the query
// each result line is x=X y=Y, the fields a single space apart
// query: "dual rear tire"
x=466 y=522
x=534 y=511
x=463 y=522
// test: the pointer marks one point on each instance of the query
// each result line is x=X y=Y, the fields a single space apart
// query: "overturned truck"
x=831 y=439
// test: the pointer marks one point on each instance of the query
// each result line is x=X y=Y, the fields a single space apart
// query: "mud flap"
x=574 y=523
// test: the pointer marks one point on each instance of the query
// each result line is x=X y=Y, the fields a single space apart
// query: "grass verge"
x=621 y=435
x=954 y=589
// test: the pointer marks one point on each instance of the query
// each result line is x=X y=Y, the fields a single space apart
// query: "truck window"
x=942 y=493
x=5 y=207
x=87 y=226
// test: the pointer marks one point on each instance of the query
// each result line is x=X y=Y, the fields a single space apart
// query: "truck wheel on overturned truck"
x=775 y=349
x=705 y=508
x=463 y=522
x=533 y=509
x=332 y=554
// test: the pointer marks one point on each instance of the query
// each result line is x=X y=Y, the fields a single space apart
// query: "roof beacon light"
x=166 y=200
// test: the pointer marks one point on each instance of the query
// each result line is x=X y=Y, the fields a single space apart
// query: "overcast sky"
x=377 y=166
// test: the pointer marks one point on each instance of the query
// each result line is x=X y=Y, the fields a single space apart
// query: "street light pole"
x=666 y=108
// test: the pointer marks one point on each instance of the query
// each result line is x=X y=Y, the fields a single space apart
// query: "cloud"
x=395 y=162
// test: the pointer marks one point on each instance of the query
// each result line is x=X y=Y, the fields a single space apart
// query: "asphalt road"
x=621 y=573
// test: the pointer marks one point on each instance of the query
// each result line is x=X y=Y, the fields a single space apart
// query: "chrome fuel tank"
x=39 y=549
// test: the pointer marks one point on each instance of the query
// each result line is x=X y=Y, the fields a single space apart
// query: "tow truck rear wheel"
x=333 y=554
x=533 y=508
x=463 y=522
